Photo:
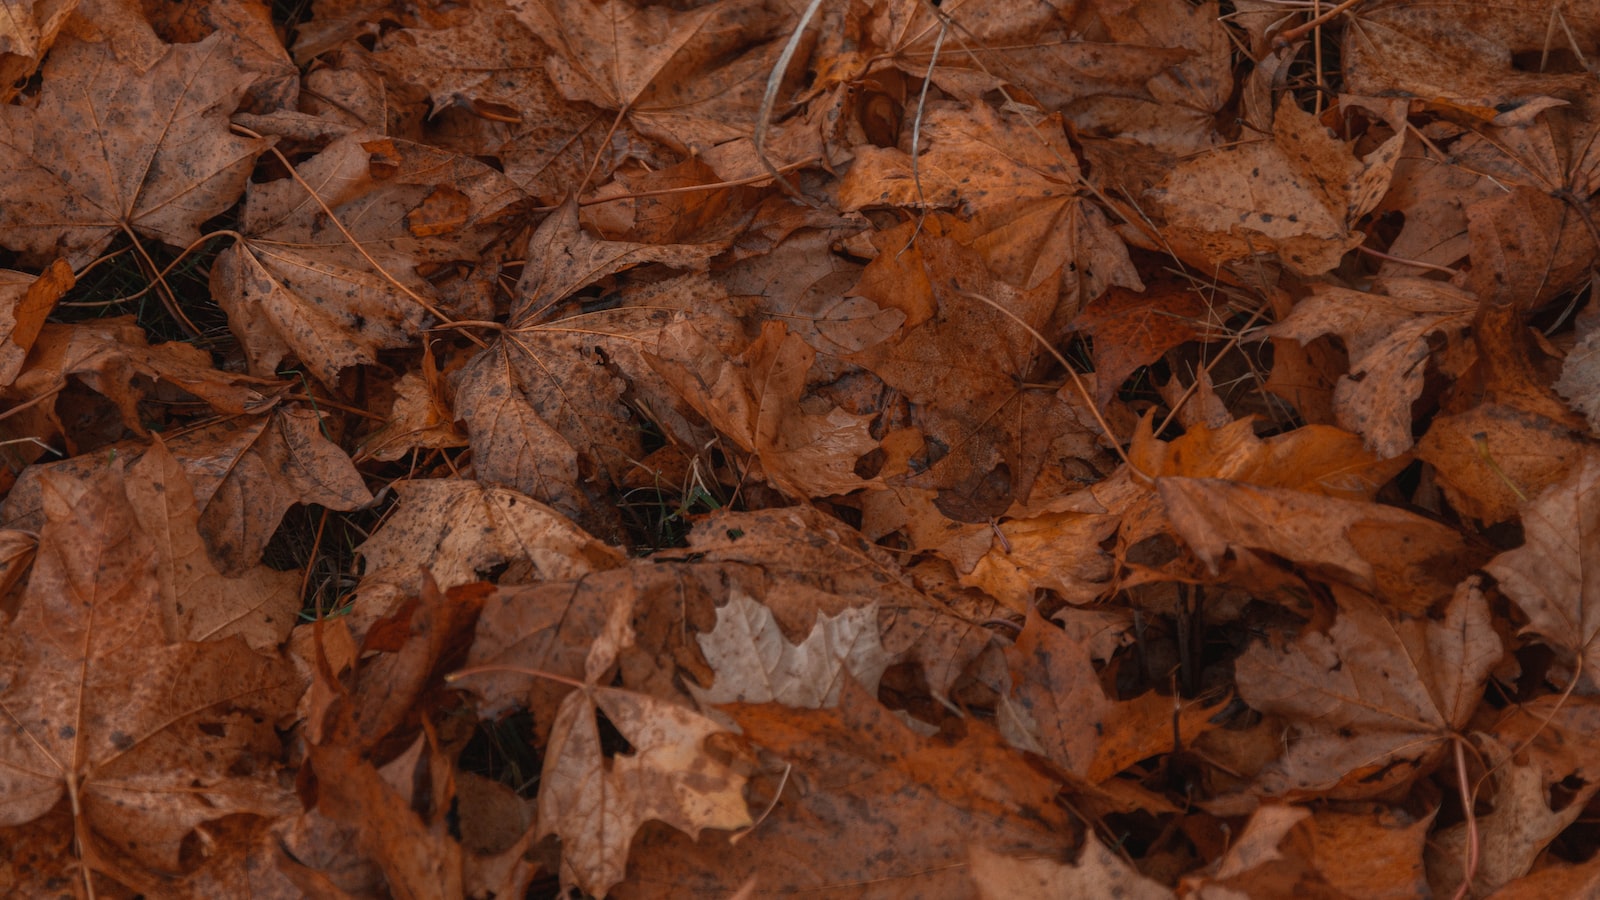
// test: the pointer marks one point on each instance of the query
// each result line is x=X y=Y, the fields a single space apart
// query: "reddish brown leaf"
x=150 y=737
x=1376 y=698
x=112 y=148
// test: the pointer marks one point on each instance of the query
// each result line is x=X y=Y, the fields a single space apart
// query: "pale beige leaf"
x=755 y=663
x=1509 y=838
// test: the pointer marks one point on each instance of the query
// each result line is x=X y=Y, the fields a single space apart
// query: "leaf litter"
x=1176 y=476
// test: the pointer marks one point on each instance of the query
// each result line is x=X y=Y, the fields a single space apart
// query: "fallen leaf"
x=1552 y=576
x=1400 y=557
x=759 y=400
x=1297 y=195
x=595 y=802
x=1097 y=873
x=150 y=737
x=756 y=664
x=1507 y=840
x=463 y=530
x=25 y=302
x=1387 y=331
x=1374 y=699
x=870 y=783
x=110 y=149
x=1352 y=852
x=199 y=603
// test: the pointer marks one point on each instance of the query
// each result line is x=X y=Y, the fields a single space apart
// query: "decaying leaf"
x=978 y=448
x=147 y=737
x=1553 y=577
x=111 y=148
x=1375 y=698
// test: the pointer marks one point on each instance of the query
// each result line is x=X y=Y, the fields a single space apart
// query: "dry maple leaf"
x=1376 y=697
x=882 y=806
x=755 y=663
x=25 y=302
x=543 y=403
x=1387 y=332
x=246 y=471
x=462 y=530
x=1297 y=195
x=491 y=65
x=1554 y=576
x=1017 y=180
x=198 y=603
x=691 y=78
x=113 y=358
x=113 y=150
x=964 y=359
x=1097 y=872
x=759 y=400
x=811 y=565
x=1349 y=852
x=300 y=285
x=1418 y=49
x=595 y=803
x=27 y=30
x=1399 y=556
x=1509 y=838
x=1178 y=107
x=1132 y=329
x=149 y=738
x=1057 y=708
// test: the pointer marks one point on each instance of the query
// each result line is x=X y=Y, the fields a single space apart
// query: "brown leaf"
x=490 y=65
x=113 y=358
x=759 y=400
x=461 y=530
x=1553 y=576
x=1387 y=331
x=1296 y=195
x=296 y=285
x=150 y=737
x=1492 y=457
x=25 y=301
x=1132 y=329
x=198 y=603
x=1316 y=459
x=871 y=783
x=1419 y=50
x=1398 y=556
x=1350 y=852
x=563 y=259
x=595 y=803
x=1097 y=873
x=110 y=148
x=1374 y=699
x=1058 y=709
x=966 y=367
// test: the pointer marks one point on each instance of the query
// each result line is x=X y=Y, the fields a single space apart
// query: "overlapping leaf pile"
x=1136 y=446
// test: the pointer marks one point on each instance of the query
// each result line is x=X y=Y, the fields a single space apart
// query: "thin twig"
x=774 y=83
